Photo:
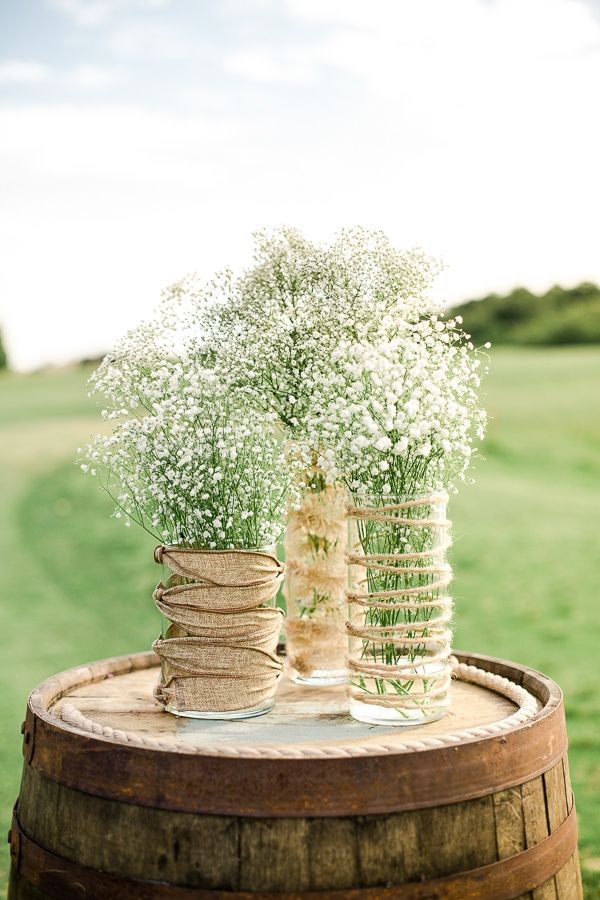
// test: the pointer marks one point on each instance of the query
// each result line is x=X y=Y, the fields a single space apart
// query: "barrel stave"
x=559 y=800
x=293 y=854
x=138 y=842
x=100 y=827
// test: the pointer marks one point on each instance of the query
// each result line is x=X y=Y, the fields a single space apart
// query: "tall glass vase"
x=399 y=663
x=315 y=586
x=220 y=631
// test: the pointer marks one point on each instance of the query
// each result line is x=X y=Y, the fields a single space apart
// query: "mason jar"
x=220 y=631
x=400 y=609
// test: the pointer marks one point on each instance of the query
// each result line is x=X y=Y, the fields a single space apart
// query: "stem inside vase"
x=315 y=588
x=400 y=611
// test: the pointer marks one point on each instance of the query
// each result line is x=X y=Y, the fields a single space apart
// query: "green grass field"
x=77 y=584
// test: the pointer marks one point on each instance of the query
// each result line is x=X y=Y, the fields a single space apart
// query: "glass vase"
x=315 y=586
x=400 y=610
x=221 y=627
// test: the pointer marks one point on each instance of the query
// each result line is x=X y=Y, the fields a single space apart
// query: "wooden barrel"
x=121 y=800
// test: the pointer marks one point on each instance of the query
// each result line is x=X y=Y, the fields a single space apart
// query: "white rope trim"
x=527 y=703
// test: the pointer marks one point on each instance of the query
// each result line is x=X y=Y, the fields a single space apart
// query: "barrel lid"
x=98 y=729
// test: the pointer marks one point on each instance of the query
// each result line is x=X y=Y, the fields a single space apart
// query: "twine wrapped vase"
x=220 y=633
x=315 y=588
x=399 y=663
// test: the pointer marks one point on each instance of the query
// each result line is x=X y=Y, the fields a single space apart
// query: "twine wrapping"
x=403 y=663
x=315 y=584
x=219 y=653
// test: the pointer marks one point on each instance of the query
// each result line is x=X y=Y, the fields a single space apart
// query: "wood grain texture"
x=554 y=787
x=570 y=801
x=342 y=768
x=237 y=854
x=302 y=716
x=20 y=889
x=536 y=828
x=566 y=881
x=190 y=847
x=56 y=877
x=509 y=822
x=279 y=855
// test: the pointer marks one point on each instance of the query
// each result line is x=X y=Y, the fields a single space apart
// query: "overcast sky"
x=141 y=139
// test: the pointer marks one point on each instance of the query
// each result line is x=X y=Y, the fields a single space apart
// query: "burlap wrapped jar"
x=218 y=651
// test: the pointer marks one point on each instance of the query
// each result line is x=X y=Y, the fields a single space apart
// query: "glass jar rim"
x=185 y=545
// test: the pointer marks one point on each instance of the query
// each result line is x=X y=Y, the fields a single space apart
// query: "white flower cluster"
x=344 y=345
x=398 y=416
x=287 y=314
x=187 y=460
x=127 y=376
x=338 y=343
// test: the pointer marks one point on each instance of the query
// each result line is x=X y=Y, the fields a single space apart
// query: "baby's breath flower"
x=188 y=459
x=273 y=329
x=339 y=345
x=400 y=415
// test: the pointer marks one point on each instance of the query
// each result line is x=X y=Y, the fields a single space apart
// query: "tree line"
x=560 y=316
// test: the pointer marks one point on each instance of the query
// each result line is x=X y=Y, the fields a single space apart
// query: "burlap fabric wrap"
x=220 y=652
x=407 y=619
